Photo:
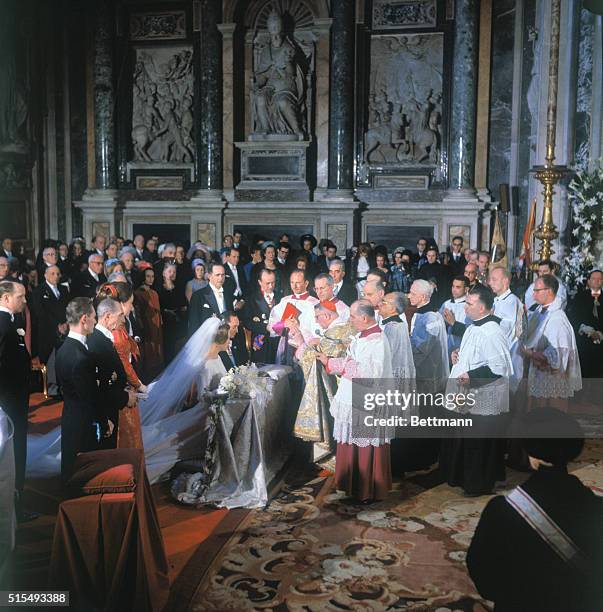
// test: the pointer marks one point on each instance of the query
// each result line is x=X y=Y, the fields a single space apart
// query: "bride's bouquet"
x=244 y=381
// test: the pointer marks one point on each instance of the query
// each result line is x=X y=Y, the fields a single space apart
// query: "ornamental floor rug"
x=312 y=550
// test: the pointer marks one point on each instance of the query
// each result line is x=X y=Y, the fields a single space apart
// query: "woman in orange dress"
x=148 y=314
x=129 y=434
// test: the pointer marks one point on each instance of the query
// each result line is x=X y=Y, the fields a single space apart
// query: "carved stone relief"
x=162 y=110
x=403 y=13
x=405 y=101
x=162 y=25
x=281 y=82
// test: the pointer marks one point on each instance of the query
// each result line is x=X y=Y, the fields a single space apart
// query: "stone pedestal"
x=203 y=214
x=326 y=219
x=99 y=213
x=273 y=170
x=448 y=217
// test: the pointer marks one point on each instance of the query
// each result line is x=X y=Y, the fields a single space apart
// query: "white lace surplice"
x=553 y=335
x=368 y=358
x=484 y=345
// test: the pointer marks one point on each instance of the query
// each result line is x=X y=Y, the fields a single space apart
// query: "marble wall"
x=501 y=96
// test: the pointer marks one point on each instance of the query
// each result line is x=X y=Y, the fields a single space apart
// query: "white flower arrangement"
x=244 y=381
x=586 y=199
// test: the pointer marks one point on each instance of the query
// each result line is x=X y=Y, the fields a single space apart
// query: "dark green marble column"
x=341 y=110
x=104 y=96
x=464 y=97
x=209 y=138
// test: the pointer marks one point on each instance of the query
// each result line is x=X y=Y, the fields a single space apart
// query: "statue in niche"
x=278 y=89
x=162 y=119
x=405 y=102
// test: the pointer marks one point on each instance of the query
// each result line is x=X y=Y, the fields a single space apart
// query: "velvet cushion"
x=107 y=471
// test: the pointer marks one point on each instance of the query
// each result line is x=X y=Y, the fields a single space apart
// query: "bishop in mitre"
x=314 y=422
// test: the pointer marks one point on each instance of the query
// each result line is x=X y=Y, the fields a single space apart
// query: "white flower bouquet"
x=586 y=199
x=244 y=381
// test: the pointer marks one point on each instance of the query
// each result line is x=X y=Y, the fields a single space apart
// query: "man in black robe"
x=511 y=560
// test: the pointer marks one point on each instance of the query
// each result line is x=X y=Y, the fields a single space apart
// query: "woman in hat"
x=198 y=281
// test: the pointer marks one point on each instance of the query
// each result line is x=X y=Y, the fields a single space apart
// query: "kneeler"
x=107 y=548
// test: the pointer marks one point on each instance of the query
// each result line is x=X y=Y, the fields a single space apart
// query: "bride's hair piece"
x=222 y=333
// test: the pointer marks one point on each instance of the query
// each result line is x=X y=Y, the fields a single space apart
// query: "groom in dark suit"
x=237 y=353
x=256 y=315
x=210 y=301
x=83 y=422
x=15 y=368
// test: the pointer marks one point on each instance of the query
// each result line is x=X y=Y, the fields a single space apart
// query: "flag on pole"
x=498 y=246
x=525 y=258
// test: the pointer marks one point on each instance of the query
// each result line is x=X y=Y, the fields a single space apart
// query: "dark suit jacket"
x=15 y=363
x=230 y=283
x=457 y=267
x=347 y=294
x=111 y=376
x=255 y=317
x=48 y=312
x=84 y=284
x=203 y=305
x=82 y=406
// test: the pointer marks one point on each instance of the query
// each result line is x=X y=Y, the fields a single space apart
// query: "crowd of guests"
x=114 y=314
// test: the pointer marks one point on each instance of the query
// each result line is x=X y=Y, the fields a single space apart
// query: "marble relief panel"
x=338 y=234
x=404 y=14
x=405 y=100
x=206 y=233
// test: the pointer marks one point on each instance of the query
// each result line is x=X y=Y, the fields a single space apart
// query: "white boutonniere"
x=206 y=306
x=21 y=332
x=256 y=319
x=264 y=316
x=46 y=297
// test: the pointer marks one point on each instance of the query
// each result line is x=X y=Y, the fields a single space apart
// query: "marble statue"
x=162 y=117
x=278 y=88
x=405 y=101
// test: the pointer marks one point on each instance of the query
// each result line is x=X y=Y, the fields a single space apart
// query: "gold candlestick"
x=550 y=174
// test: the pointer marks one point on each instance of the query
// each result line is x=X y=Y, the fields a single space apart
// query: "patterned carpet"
x=311 y=550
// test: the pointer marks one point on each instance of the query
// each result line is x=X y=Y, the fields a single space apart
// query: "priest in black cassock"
x=585 y=312
x=482 y=369
x=256 y=315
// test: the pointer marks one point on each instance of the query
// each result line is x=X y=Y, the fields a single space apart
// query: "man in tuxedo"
x=7 y=248
x=48 y=303
x=235 y=281
x=341 y=288
x=86 y=282
x=138 y=243
x=585 y=311
x=256 y=315
x=111 y=376
x=330 y=254
x=15 y=368
x=237 y=243
x=49 y=258
x=457 y=259
x=99 y=244
x=237 y=353
x=83 y=422
x=210 y=301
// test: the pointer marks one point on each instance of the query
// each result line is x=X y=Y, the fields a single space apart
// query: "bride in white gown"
x=169 y=433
